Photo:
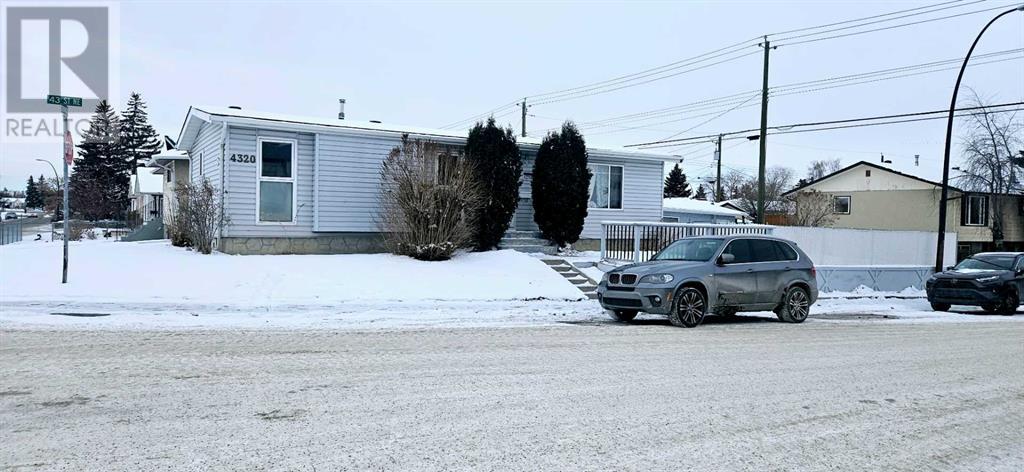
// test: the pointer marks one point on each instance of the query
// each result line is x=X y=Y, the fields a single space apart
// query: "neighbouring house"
x=310 y=185
x=869 y=196
x=776 y=212
x=146 y=195
x=689 y=210
x=172 y=166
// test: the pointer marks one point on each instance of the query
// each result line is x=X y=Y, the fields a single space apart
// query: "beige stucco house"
x=869 y=196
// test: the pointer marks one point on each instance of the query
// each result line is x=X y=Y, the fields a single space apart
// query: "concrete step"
x=553 y=262
x=505 y=242
x=578 y=280
x=522 y=234
x=549 y=250
x=592 y=295
x=587 y=288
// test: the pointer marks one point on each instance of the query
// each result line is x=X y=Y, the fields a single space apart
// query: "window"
x=605 y=186
x=276 y=175
x=841 y=205
x=740 y=250
x=447 y=165
x=199 y=164
x=867 y=173
x=974 y=210
x=764 y=250
x=689 y=249
x=787 y=251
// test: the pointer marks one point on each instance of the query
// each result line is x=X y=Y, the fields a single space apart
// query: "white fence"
x=875 y=248
x=846 y=258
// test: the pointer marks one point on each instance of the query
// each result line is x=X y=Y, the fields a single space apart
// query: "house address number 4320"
x=244 y=158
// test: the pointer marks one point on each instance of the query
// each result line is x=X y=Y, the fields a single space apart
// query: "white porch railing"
x=638 y=241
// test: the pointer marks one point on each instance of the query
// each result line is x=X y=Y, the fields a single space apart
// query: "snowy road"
x=744 y=394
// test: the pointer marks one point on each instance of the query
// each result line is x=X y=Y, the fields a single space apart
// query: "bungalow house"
x=689 y=210
x=869 y=196
x=310 y=185
x=146 y=195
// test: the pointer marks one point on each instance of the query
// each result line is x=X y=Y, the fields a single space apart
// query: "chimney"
x=341 y=108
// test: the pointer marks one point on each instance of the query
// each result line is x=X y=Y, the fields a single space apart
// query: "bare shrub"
x=814 y=208
x=195 y=217
x=428 y=199
x=78 y=229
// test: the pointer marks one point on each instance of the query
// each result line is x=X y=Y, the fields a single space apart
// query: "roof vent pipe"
x=341 y=108
x=235 y=107
x=375 y=121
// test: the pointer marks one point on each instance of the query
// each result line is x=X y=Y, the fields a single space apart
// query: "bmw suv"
x=719 y=275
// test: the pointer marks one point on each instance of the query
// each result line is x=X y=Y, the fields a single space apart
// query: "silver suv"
x=720 y=275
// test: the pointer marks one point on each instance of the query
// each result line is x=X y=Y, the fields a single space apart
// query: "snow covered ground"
x=152 y=285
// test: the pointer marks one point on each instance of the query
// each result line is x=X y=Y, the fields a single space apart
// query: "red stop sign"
x=69 y=148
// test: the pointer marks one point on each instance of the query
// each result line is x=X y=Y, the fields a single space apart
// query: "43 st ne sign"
x=62 y=100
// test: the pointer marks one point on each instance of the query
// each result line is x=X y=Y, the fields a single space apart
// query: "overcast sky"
x=429 y=64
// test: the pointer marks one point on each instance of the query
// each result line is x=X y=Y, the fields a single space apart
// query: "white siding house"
x=310 y=185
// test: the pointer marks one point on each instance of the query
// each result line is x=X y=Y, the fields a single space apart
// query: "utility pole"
x=523 y=105
x=718 y=178
x=764 y=132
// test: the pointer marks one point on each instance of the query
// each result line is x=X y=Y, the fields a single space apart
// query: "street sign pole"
x=67 y=209
x=66 y=156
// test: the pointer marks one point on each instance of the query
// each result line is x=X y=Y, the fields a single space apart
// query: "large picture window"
x=974 y=211
x=276 y=175
x=605 y=186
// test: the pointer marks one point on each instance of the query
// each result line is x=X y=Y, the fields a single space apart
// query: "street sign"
x=69 y=148
x=62 y=100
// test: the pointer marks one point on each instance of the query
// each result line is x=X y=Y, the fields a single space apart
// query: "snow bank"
x=155 y=271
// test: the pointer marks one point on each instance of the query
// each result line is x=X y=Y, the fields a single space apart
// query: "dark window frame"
x=849 y=204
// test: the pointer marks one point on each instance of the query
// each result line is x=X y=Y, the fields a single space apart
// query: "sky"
x=433 y=63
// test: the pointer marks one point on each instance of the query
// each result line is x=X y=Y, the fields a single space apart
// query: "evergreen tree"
x=701 y=193
x=138 y=138
x=99 y=184
x=561 y=185
x=675 y=184
x=32 y=199
x=494 y=155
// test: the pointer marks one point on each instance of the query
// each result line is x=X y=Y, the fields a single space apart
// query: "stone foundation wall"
x=342 y=243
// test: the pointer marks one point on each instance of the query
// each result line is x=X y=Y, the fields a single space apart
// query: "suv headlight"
x=985 y=280
x=604 y=277
x=656 y=279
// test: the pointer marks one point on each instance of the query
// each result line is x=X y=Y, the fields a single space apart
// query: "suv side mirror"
x=726 y=259
x=949 y=267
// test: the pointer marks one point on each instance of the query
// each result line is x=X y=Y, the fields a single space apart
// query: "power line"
x=885 y=28
x=792 y=89
x=784 y=129
x=702 y=123
x=625 y=85
x=829 y=25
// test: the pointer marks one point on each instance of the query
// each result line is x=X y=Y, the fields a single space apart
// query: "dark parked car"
x=720 y=275
x=991 y=280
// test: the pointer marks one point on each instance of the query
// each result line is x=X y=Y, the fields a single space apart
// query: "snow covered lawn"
x=148 y=272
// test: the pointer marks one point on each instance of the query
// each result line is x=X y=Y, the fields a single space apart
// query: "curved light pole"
x=939 y=250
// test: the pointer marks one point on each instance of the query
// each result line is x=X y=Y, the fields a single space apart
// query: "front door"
x=737 y=281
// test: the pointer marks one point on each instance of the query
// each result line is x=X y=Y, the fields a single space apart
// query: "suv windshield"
x=986 y=263
x=692 y=249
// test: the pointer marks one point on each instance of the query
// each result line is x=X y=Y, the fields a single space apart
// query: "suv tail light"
x=814 y=272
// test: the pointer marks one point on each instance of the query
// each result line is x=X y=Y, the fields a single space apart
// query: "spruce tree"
x=701 y=193
x=494 y=155
x=138 y=138
x=561 y=185
x=99 y=184
x=31 y=194
x=675 y=184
